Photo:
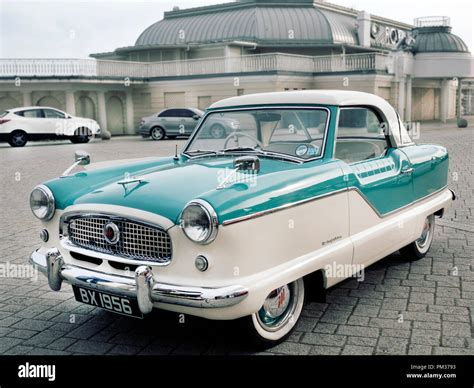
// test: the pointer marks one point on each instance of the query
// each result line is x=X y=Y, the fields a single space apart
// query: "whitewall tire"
x=278 y=316
x=420 y=247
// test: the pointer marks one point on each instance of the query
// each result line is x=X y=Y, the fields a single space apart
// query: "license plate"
x=114 y=303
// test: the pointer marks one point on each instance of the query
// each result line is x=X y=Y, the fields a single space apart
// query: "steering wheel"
x=242 y=134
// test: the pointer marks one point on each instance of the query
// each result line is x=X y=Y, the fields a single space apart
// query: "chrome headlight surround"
x=189 y=222
x=42 y=203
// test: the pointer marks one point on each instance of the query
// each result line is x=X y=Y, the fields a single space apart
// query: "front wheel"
x=420 y=247
x=217 y=131
x=279 y=314
x=157 y=133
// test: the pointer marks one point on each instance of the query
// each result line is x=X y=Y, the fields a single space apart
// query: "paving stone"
x=89 y=347
x=418 y=350
x=357 y=350
x=362 y=341
x=328 y=328
x=394 y=304
x=358 y=331
x=391 y=345
x=324 y=339
x=456 y=329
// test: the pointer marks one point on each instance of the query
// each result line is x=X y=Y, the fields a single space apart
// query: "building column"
x=27 y=99
x=459 y=100
x=70 y=103
x=444 y=101
x=408 y=98
x=401 y=98
x=130 y=113
x=104 y=133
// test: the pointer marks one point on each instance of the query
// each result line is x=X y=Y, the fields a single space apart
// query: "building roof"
x=437 y=39
x=265 y=22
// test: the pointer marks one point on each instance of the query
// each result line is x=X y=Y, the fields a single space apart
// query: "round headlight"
x=199 y=222
x=42 y=202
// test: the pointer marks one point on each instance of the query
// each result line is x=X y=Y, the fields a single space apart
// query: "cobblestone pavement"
x=435 y=301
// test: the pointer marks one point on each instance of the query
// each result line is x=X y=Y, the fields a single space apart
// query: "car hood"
x=168 y=185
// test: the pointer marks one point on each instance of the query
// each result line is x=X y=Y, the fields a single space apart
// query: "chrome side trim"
x=293 y=204
x=279 y=208
x=143 y=286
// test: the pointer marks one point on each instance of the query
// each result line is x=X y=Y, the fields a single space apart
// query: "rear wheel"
x=18 y=138
x=217 y=131
x=279 y=314
x=420 y=247
x=157 y=133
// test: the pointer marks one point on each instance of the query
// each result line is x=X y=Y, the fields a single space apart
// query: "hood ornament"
x=130 y=180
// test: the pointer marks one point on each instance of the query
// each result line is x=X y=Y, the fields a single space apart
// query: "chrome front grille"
x=138 y=241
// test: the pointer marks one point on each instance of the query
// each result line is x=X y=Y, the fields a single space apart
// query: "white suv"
x=19 y=125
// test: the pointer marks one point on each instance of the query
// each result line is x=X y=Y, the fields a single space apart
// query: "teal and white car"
x=251 y=224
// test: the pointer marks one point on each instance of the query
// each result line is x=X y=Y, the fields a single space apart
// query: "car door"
x=379 y=178
x=56 y=122
x=34 y=121
x=169 y=121
x=188 y=121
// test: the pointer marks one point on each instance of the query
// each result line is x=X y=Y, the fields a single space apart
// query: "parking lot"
x=424 y=307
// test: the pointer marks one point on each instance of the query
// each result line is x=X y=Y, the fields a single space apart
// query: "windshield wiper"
x=201 y=152
x=264 y=153
x=241 y=149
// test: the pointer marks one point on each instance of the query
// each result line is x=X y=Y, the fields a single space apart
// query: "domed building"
x=194 y=57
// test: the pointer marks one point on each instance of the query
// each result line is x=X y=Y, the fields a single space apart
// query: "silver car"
x=175 y=122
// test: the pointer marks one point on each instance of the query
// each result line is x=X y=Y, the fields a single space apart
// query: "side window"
x=53 y=114
x=31 y=113
x=186 y=113
x=360 y=135
x=166 y=113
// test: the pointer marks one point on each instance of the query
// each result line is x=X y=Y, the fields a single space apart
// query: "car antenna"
x=176 y=158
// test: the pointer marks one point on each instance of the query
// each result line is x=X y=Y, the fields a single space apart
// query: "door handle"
x=407 y=171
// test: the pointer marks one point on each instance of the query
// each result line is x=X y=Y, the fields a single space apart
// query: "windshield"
x=292 y=132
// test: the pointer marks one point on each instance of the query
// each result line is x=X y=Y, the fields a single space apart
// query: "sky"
x=77 y=28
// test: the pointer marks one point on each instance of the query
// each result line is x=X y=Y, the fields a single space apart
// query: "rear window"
x=3 y=114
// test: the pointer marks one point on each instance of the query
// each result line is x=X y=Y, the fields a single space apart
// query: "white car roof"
x=323 y=97
x=32 y=107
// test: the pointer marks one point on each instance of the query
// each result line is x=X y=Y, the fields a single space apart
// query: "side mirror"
x=196 y=117
x=250 y=164
x=82 y=158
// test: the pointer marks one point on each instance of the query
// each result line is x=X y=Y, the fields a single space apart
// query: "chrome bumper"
x=142 y=286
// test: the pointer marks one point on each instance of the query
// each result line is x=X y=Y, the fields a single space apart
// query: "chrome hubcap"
x=157 y=134
x=279 y=307
x=277 y=302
